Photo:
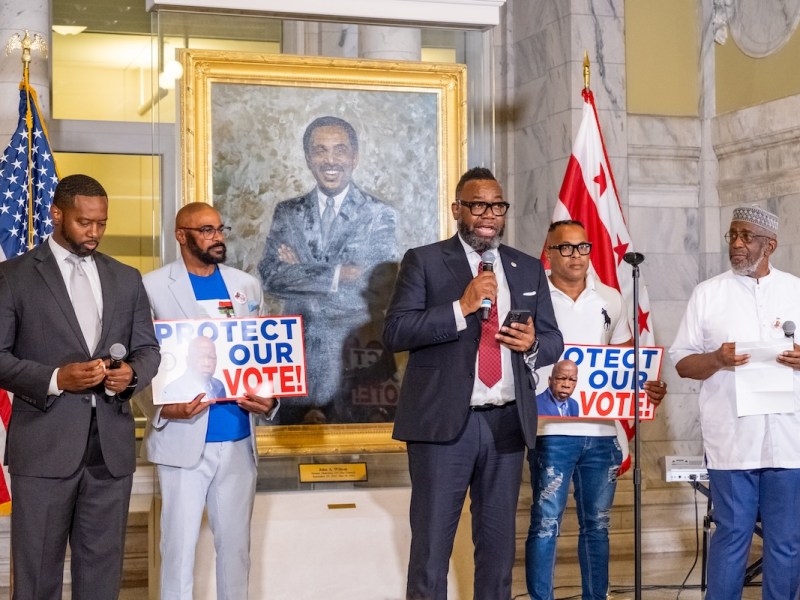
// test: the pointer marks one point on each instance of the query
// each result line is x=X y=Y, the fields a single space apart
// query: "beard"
x=479 y=243
x=747 y=268
x=205 y=256
x=78 y=248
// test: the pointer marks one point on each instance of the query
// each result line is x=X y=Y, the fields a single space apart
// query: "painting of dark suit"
x=47 y=436
x=362 y=234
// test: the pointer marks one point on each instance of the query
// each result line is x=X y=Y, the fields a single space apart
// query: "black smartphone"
x=517 y=316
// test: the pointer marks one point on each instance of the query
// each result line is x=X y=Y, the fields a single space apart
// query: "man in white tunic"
x=753 y=461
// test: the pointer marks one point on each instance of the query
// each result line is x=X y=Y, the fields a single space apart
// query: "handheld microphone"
x=117 y=352
x=633 y=258
x=487 y=264
x=788 y=329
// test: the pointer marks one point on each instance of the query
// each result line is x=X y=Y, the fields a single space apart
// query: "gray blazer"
x=40 y=332
x=179 y=443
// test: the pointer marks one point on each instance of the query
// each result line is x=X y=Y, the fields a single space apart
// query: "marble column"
x=320 y=39
x=393 y=43
x=542 y=68
x=15 y=17
x=708 y=217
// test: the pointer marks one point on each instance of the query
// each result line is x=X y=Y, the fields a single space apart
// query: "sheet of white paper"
x=763 y=386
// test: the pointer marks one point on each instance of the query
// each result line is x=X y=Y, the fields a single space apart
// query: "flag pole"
x=586 y=70
x=28 y=44
x=634 y=259
x=26 y=65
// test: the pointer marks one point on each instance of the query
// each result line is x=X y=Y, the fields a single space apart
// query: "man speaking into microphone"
x=467 y=405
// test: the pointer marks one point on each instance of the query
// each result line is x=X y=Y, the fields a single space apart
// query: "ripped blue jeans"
x=591 y=464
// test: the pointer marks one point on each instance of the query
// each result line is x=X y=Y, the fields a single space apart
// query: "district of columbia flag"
x=589 y=194
x=28 y=179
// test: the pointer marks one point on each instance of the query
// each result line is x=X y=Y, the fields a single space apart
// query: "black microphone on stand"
x=117 y=352
x=633 y=258
x=487 y=262
x=788 y=329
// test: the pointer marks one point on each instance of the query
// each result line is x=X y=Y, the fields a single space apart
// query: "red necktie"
x=490 y=369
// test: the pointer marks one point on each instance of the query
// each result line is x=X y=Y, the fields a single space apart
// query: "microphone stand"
x=635 y=259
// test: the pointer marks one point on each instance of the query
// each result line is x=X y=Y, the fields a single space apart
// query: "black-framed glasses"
x=747 y=237
x=478 y=209
x=567 y=250
x=207 y=231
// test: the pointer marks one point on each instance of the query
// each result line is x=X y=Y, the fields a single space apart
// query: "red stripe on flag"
x=5 y=408
x=5 y=417
x=578 y=201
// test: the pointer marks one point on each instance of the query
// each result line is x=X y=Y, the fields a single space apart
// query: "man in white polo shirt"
x=584 y=451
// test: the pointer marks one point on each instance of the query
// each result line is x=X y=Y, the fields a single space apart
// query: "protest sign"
x=604 y=388
x=224 y=358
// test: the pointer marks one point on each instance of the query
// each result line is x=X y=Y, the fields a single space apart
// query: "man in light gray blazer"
x=71 y=445
x=205 y=452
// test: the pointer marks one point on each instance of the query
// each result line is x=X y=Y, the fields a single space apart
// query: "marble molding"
x=468 y=14
x=759 y=28
x=757 y=151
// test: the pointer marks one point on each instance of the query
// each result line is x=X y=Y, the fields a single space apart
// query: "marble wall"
x=678 y=178
x=541 y=77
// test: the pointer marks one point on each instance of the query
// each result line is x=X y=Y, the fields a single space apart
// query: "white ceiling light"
x=69 y=29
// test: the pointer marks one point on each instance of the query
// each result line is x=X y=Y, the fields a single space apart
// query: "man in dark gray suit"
x=330 y=254
x=468 y=401
x=71 y=445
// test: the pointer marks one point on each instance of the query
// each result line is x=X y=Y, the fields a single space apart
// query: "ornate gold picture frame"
x=242 y=123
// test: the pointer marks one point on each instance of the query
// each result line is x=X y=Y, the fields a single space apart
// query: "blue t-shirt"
x=226 y=421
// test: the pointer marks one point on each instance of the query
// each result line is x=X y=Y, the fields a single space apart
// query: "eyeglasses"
x=478 y=209
x=746 y=236
x=569 y=249
x=207 y=231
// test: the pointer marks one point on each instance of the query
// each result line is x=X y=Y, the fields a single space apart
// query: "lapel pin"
x=513 y=264
x=240 y=297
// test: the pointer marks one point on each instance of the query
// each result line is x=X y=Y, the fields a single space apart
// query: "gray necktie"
x=83 y=302
x=562 y=408
x=328 y=215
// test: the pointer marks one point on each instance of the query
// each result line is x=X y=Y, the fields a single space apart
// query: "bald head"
x=189 y=213
x=563 y=379
x=201 y=235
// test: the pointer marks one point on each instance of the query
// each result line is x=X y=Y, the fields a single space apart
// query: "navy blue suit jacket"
x=439 y=379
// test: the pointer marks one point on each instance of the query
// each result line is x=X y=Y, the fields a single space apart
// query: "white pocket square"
x=533 y=293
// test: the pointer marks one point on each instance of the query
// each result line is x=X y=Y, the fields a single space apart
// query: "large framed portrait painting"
x=327 y=170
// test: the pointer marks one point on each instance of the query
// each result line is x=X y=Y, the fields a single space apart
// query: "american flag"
x=28 y=179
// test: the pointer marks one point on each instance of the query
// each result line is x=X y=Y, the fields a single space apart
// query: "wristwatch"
x=134 y=381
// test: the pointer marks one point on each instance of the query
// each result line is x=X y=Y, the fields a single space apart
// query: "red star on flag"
x=620 y=249
x=642 y=319
x=601 y=180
